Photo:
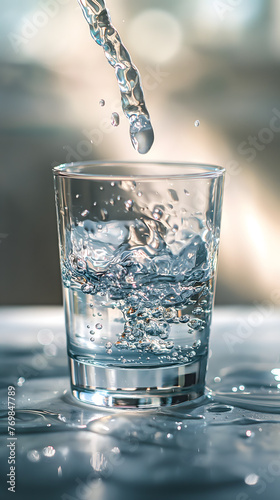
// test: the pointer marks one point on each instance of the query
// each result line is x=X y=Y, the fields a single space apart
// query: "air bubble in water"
x=184 y=319
x=196 y=344
x=98 y=326
x=104 y=214
x=115 y=119
x=196 y=123
x=128 y=205
x=198 y=310
x=81 y=265
x=20 y=381
x=102 y=102
x=87 y=288
x=157 y=214
x=173 y=195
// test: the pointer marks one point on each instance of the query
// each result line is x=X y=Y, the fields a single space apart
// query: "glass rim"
x=88 y=170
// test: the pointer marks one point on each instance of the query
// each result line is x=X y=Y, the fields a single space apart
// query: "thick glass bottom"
x=117 y=387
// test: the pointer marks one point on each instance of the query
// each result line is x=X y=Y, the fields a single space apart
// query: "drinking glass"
x=138 y=250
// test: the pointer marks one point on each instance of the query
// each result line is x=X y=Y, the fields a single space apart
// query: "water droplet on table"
x=49 y=451
x=220 y=408
x=251 y=479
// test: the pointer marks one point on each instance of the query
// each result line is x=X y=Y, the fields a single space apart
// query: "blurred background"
x=213 y=61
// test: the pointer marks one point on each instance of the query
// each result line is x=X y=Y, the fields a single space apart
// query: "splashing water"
x=132 y=98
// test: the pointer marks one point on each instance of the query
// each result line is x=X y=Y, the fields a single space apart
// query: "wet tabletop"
x=228 y=447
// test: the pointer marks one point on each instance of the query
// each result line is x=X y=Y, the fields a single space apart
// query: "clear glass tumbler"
x=138 y=247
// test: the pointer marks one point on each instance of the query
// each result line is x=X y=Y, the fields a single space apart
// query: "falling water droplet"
x=115 y=119
x=102 y=102
x=141 y=133
x=196 y=123
x=85 y=213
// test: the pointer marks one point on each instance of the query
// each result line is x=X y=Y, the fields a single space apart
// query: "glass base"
x=117 y=387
